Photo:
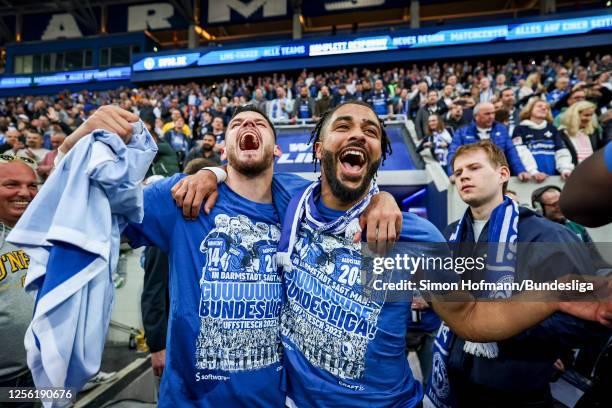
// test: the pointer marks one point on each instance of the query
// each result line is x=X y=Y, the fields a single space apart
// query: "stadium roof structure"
x=11 y=7
x=432 y=12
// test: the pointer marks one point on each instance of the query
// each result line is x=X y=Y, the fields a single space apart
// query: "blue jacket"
x=499 y=135
x=525 y=362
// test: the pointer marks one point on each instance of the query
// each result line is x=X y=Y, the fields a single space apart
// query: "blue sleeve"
x=455 y=144
x=566 y=332
x=418 y=229
x=420 y=238
x=284 y=187
x=516 y=165
x=160 y=215
x=608 y=156
x=559 y=253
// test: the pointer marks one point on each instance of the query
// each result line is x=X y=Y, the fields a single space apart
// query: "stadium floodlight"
x=202 y=32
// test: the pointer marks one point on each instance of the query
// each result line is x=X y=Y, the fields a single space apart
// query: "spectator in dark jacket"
x=509 y=103
x=402 y=104
x=341 y=96
x=455 y=118
x=324 y=102
x=11 y=142
x=205 y=150
x=155 y=306
x=165 y=162
x=359 y=94
x=419 y=98
x=433 y=106
x=304 y=105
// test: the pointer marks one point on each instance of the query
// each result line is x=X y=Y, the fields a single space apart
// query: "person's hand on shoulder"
x=383 y=219
x=191 y=191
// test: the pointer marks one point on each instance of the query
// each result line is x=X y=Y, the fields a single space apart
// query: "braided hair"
x=315 y=135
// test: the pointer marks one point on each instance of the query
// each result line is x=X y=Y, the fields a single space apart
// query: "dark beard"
x=250 y=169
x=345 y=194
x=206 y=148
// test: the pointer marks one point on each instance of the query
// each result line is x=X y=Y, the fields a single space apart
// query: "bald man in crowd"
x=485 y=127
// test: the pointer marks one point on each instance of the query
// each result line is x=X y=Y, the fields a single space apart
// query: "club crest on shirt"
x=440 y=376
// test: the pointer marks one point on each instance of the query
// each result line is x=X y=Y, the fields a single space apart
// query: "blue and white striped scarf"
x=305 y=206
x=501 y=264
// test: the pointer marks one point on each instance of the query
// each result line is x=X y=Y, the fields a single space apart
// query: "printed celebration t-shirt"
x=223 y=346
x=343 y=344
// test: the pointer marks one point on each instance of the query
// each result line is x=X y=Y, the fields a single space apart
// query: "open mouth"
x=249 y=140
x=353 y=160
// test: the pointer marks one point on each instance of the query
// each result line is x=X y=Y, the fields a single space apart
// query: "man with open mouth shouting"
x=343 y=342
x=223 y=343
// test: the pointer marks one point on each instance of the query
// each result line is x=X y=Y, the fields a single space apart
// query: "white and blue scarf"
x=306 y=206
x=501 y=264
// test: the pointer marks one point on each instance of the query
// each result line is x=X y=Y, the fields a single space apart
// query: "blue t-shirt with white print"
x=304 y=109
x=223 y=346
x=379 y=100
x=341 y=346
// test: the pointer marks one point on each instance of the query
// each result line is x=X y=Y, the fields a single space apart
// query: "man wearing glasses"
x=18 y=186
x=545 y=200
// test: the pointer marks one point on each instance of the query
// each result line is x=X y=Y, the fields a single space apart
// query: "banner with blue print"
x=424 y=38
x=67 y=78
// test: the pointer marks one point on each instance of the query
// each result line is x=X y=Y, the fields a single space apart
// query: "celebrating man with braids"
x=223 y=342
x=344 y=345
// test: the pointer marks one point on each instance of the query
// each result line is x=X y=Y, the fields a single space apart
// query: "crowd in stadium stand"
x=547 y=115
